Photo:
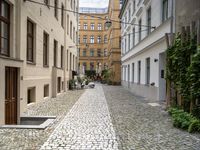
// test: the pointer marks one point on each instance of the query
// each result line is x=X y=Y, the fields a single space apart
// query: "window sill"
x=31 y=63
x=46 y=66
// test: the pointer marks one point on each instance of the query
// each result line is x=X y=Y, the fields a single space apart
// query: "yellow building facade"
x=99 y=46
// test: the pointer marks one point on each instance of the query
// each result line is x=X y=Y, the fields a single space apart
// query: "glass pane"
x=4 y=46
x=30 y=28
x=4 y=9
x=4 y=30
x=30 y=43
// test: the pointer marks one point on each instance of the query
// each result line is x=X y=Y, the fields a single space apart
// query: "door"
x=10 y=95
x=162 y=81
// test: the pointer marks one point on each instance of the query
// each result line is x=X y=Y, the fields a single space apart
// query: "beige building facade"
x=38 y=53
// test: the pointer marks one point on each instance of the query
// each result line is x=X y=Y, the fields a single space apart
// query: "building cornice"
x=123 y=8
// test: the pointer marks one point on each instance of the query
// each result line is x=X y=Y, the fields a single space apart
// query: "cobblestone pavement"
x=87 y=126
x=31 y=139
x=139 y=126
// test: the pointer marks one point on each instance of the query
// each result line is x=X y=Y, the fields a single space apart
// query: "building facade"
x=144 y=45
x=114 y=42
x=37 y=54
x=93 y=41
x=99 y=44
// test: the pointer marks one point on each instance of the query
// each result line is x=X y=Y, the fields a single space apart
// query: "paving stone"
x=140 y=126
x=31 y=139
x=90 y=118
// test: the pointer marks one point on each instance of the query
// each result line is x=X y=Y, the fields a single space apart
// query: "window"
x=85 y=39
x=133 y=37
x=105 y=53
x=125 y=45
x=45 y=49
x=85 y=65
x=46 y=2
x=149 y=21
x=84 y=53
x=71 y=4
x=79 y=39
x=133 y=72
x=59 y=84
x=74 y=33
x=61 y=56
x=71 y=29
x=140 y=30
x=31 y=95
x=5 y=28
x=129 y=42
x=56 y=8
x=129 y=14
x=46 y=90
x=73 y=62
x=139 y=71
x=79 y=26
x=148 y=71
x=92 y=39
x=92 y=53
x=92 y=26
x=99 y=53
x=30 y=41
x=99 y=39
x=62 y=16
x=165 y=10
x=70 y=62
x=67 y=24
x=105 y=39
x=55 y=53
x=99 y=26
x=85 y=26
x=133 y=6
x=91 y=66
x=67 y=59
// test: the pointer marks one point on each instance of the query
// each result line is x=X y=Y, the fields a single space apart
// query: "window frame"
x=7 y=22
x=45 y=49
x=32 y=36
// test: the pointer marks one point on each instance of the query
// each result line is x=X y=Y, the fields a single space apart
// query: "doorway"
x=162 y=81
x=11 y=89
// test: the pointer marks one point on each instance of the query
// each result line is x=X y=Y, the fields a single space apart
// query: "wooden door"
x=10 y=95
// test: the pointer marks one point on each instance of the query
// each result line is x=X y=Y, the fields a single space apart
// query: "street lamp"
x=108 y=23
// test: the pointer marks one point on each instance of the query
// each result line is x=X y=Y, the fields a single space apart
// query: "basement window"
x=46 y=90
x=31 y=95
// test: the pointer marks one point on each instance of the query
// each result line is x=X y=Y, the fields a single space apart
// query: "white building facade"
x=144 y=25
x=37 y=52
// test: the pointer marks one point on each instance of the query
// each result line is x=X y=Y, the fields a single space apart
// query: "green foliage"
x=184 y=120
x=183 y=69
x=196 y=111
x=90 y=73
x=71 y=84
x=194 y=75
x=194 y=126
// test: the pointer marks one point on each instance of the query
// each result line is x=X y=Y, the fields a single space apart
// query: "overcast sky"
x=94 y=3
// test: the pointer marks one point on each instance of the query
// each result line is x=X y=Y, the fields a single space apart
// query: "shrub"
x=194 y=126
x=184 y=120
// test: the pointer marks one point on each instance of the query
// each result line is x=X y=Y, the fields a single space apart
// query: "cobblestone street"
x=103 y=118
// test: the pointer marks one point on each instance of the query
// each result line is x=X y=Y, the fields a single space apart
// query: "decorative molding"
x=139 y=12
x=133 y=20
x=146 y=2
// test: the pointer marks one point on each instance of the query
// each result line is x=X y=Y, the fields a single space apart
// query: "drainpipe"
x=172 y=19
